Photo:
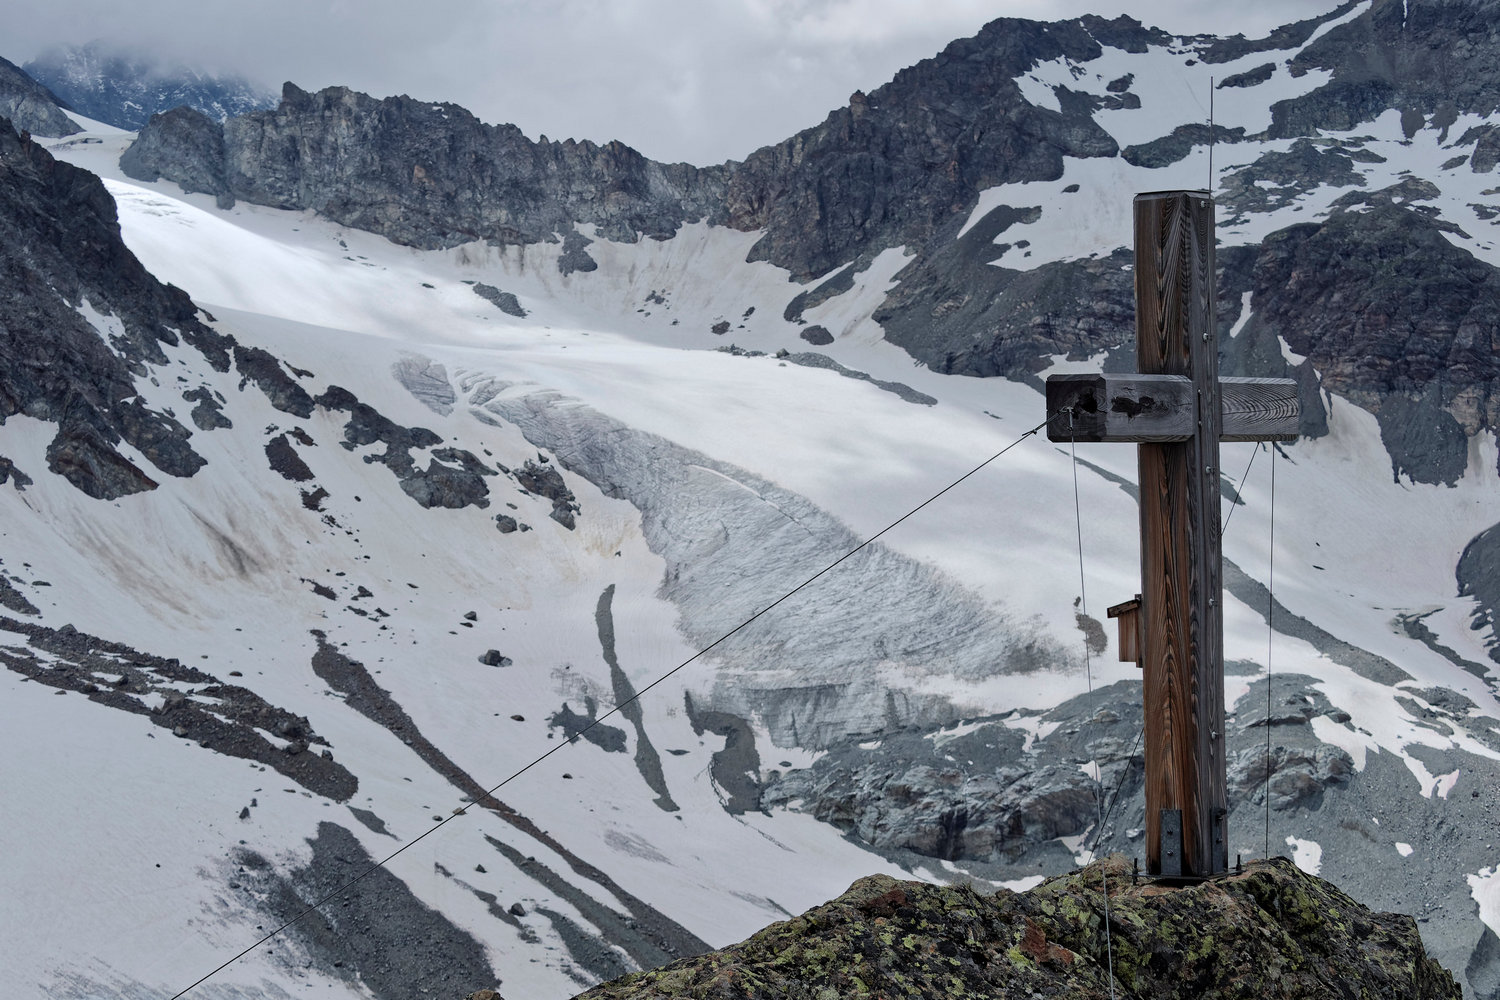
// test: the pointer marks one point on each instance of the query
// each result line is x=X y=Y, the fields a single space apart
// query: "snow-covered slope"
x=415 y=611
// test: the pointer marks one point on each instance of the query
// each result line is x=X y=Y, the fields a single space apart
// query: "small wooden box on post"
x=1177 y=410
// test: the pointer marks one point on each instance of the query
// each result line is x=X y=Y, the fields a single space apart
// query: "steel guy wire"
x=463 y=810
x=1088 y=666
x=1270 y=639
x=1119 y=787
x=1239 y=491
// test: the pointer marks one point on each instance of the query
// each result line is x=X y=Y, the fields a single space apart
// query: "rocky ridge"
x=63 y=258
x=425 y=174
x=1269 y=931
x=904 y=166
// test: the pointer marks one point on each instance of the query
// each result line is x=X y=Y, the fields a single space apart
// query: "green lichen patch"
x=1269 y=933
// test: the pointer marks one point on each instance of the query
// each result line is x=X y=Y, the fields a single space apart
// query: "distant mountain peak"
x=125 y=88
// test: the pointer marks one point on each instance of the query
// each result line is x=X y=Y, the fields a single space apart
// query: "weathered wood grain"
x=1259 y=409
x=1182 y=633
x=1177 y=409
x=1160 y=409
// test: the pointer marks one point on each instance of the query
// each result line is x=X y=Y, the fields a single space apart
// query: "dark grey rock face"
x=9 y=473
x=30 y=106
x=891 y=168
x=897 y=165
x=10 y=597
x=377 y=934
x=1432 y=60
x=1277 y=179
x=1176 y=145
x=285 y=460
x=506 y=302
x=184 y=145
x=125 y=89
x=1396 y=319
x=208 y=413
x=1250 y=77
x=974 y=797
x=1479 y=578
x=575 y=256
x=545 y=481
x=959 y=314
x=432 y=175
x=1486 y=142
x=453 y=478
x=60 y=249
x=265 y=370
x=226 y=718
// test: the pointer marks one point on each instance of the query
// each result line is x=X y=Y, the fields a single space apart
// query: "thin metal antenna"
x=1211 y=136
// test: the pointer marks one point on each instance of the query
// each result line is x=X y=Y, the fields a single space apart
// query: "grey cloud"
x=700 y=80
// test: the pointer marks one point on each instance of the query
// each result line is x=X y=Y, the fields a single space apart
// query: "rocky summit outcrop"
x=1271 y=932
x=890 y=168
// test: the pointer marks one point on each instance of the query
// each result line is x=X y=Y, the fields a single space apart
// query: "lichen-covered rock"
x=1269 y=932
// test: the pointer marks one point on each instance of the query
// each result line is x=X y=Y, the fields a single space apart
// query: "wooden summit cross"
x=1177 y=410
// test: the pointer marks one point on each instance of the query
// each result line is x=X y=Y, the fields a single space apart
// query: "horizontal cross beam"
x=1160 y=409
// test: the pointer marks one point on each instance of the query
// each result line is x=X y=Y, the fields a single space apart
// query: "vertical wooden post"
x=1181 y=586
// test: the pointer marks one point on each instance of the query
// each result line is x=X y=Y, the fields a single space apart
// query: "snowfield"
x=708 y=484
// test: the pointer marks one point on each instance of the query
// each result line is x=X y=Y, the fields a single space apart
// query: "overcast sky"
x=695 y=80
